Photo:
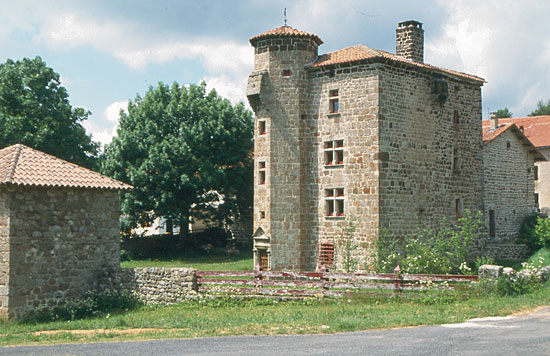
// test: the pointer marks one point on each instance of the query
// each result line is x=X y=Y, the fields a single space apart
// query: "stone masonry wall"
x=159 y=285
x=4 y=254
x=542 y=184
x=61 y=240
x=357 y=125
x=509 y=184
x=419 y=137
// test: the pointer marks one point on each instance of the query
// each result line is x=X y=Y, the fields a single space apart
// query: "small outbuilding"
x=59 y=230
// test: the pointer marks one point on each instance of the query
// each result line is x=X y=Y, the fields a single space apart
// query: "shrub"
x=542 y=231
x=92 y=304
x=441 y=250
x=517 y=283
x=527 y=233
x=347 y=246
x=483 y=260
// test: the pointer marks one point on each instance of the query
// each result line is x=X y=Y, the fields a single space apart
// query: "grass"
x=540 y=259
x=241 y=262
x=222 y=317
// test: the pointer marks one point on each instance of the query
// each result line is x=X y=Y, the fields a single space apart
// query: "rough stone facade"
x=373 y=138
x=54 y=244
x=509 y=193
x=158 y=285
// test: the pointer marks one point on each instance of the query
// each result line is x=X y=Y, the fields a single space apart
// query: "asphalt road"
x=526 y=335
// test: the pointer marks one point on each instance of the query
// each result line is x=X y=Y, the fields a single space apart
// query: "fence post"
x=398 y=282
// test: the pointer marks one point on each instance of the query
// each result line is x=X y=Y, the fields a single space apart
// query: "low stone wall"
x=159 y=285
x=507 y=252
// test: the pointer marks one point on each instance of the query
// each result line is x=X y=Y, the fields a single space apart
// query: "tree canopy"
x=543 y=108
x=35 y=111
x=503 y=113
x=187 y=154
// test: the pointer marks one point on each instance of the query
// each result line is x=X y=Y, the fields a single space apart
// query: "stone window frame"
x=334 y=101
x=334 y=202
x=326 y=254
x=333 y=153
x=262 y=127
x=262 y=174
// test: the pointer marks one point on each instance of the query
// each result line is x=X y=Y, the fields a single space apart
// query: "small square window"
x=287 y=73
x=261 y=127
x=334 y=202
x=262 y=214
x=508 y=145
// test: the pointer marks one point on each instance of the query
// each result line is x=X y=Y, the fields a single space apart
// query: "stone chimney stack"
x=494 y=121
x=409 y=41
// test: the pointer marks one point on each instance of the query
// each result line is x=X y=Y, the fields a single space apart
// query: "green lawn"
x=221 y=317
x=242 y=262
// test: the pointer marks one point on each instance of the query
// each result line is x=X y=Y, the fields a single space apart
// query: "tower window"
x=261 y=172
x=492 y=224
x=261 y=127
x=334 y=202
x=287 y=73
x=334 y=152
x=536 y=172
x=508 y=145
x=456 y=160
x=456 y=117
x=458 y=208
x=334 y=106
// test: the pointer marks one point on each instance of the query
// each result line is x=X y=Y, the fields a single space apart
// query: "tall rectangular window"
x=537 y=200
x=334 y=105
x=456 y=160
x=458 y=208
x=536 y=172
x=334 y=202
x=334 y=152
x=492 y=224
x=261 y=172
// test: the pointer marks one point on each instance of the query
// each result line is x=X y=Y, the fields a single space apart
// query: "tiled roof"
x=489 y=135
x=286 y=31
x=536 y=128
x=361 y=53
x=23 y=165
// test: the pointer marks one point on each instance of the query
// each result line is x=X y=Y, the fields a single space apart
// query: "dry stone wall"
x=60 y=241
x=509 y=185
x=159 y=285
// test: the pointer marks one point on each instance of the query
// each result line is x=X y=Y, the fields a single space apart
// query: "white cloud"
x=104 y=129
x=234 y=90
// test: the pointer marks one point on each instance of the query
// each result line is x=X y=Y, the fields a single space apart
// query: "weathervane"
x=285 y=16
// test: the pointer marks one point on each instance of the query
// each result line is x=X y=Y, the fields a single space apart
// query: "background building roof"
x=536 y=128
x=490 y=135
x=23 y=165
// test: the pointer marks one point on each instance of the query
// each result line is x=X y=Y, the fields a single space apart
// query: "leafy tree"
x=35 y=111
x=543 y=108
x=503 y=113
x=182 y=149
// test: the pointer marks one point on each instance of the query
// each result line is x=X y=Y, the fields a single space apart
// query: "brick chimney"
x=409 y=41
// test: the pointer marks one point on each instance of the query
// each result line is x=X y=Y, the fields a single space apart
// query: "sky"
x=107 y=52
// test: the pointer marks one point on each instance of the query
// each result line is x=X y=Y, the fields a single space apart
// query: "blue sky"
x=108 y=51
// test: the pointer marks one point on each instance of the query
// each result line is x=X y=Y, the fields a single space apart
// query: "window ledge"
x=333 y=114
x=334 y=165
x=335 y=217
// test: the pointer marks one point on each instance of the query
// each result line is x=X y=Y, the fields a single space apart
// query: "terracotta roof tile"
x=361 y=52
x=286 y=31
x=536 y=128
x=23 y=165
x=489 y=135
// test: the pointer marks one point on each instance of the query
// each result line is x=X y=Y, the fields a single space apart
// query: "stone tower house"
x=357 y=135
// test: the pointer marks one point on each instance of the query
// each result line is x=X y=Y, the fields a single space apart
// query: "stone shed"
x=59 y=229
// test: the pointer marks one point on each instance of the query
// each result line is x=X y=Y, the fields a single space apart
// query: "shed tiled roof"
x=285 y=31
x=536 y=128
x=23 y=165
x=359 y=53
x=490 y=135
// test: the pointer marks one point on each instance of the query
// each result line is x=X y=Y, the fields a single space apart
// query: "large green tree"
x=35 y=111
x=182 y=149
x=543 y=108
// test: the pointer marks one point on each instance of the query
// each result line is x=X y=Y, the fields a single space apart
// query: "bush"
x=517 y=283
x=441 y=250
x=92 y=304
x=527 y=233
x=542 y=231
